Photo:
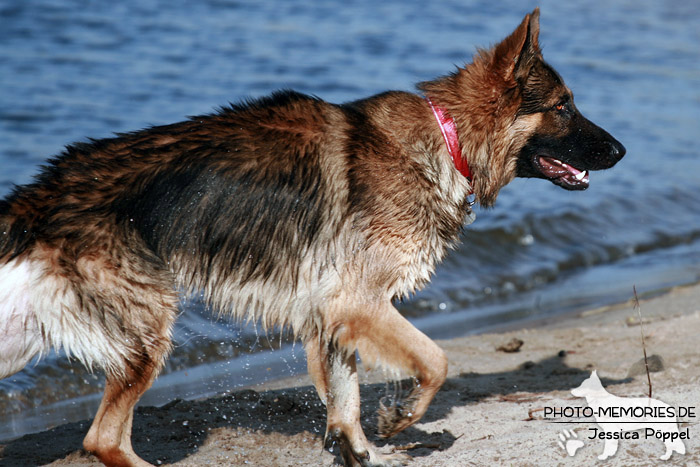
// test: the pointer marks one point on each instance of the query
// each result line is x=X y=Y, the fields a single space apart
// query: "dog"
x=641 y=413
x=287 y=210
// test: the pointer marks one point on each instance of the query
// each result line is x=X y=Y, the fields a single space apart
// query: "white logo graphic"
x=568 y=441
x=626 y=418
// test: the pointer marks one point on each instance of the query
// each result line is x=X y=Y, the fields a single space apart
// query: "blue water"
x=70 y=70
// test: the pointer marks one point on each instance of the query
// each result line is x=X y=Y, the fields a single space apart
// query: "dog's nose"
x=617 y=150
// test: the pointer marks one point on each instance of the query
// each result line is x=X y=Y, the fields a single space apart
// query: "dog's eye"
x=563 y=108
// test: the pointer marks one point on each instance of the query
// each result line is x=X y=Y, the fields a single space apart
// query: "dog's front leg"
x=334 y=374
x=384 y=337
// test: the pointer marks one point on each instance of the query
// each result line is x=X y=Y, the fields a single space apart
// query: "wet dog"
x=289 y=210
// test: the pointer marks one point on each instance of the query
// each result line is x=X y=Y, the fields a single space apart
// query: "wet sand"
x=489 y=412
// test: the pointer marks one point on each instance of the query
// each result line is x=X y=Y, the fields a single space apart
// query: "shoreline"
x=488 y=412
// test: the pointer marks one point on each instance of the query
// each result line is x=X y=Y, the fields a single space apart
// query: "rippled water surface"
x=75 y=69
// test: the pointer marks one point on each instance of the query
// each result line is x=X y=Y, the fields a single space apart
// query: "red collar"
x=449 y=132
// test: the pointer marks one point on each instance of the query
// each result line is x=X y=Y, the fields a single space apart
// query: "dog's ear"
x=515 y=55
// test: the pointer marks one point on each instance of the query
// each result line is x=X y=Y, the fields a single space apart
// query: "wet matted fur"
x=288 y=210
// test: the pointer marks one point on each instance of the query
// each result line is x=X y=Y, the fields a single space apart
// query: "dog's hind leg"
x=146 y=307
x=334 y=374
x=109 y=437
x=382 y=336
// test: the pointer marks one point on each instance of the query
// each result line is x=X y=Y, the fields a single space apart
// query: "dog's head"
x=563 y=145
x=516 y=117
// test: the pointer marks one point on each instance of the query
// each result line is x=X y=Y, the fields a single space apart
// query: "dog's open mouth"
x=562 y=174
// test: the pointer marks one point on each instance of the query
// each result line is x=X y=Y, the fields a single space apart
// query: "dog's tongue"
x=562 y=172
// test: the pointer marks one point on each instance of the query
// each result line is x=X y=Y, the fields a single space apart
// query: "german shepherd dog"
x=287 y=210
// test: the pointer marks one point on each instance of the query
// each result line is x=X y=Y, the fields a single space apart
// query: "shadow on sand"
x=176 y=430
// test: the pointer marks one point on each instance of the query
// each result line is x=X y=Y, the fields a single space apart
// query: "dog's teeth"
x=580 y=176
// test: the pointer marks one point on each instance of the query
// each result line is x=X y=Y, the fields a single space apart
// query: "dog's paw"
x=389 y=415
x=394 y=415
x=569 y=442
x=362 y=454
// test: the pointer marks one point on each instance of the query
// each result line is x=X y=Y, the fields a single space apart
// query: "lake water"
x=72 y=69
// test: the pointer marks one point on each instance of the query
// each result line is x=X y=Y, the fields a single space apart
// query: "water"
x=76 y=69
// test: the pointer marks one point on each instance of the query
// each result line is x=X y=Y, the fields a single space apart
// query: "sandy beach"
x=489 y=412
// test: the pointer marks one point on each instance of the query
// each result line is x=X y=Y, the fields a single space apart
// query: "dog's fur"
x=287 y=210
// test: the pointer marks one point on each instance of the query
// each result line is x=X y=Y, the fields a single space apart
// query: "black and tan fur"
x=288 y=210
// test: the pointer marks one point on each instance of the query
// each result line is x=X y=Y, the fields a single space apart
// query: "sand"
x=489 y=412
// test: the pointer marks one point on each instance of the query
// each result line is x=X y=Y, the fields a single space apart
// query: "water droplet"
x=526 y=240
